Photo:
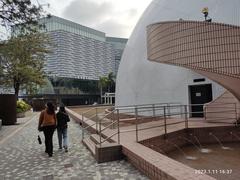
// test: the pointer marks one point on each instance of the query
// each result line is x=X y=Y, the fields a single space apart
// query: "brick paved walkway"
x=21 y=157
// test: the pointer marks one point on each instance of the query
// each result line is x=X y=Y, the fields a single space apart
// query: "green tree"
x=20 y=12
x=103 y=83
x=22 y=60
x=107 y=82
x=111 y=82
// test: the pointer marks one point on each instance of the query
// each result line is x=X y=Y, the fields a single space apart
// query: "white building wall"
x=140 y=81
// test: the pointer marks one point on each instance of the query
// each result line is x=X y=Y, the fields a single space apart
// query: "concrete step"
x=96 y=138
x=90 y=145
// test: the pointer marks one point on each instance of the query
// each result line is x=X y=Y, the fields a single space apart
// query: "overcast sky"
x=114 y=17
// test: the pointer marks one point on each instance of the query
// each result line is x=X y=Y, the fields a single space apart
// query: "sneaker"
x=66 y=149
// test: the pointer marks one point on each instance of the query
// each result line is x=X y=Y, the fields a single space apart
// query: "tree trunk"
x=101 y=95
x=16 y=88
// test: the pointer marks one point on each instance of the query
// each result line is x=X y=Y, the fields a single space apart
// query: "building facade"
x=141 y=81
x=80 y=55
x=81 y=52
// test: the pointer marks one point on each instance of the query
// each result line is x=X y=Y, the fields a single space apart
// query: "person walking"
x=62 y=120
x=47 y=124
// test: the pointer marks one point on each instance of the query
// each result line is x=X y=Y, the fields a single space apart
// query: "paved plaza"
x=21 y=157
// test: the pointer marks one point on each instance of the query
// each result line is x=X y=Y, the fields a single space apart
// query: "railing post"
x=136 y=122
x=82 y=127
x=165 y=121
x=168 y=111
x=205 y=112
x=153 y=110
x=186 y=116
x=112 y=119
x=100 y=132
x=96 y=120
x=118 y=126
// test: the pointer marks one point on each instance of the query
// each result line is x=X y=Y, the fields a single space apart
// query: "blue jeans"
x=62 y=134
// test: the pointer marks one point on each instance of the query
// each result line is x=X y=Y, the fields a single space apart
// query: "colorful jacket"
x=46 y=119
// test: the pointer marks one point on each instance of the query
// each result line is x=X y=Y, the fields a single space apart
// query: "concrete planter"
x=21 y=115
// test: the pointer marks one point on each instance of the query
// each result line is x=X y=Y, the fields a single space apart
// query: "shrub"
x=22 y=106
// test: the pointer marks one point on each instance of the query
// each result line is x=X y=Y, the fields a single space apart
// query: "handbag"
x=39 y=139
x=40 y=129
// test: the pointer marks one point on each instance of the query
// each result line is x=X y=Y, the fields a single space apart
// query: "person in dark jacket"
x=62 y=120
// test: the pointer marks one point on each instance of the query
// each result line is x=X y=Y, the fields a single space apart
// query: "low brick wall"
x=164 y=145
x=108 y=152
x=150 y=170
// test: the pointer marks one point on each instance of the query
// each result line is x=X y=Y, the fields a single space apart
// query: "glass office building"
x=80 y=55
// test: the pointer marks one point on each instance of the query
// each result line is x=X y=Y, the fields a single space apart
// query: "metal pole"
x=100 y=131
x=165 y=121
x=96 y=120
x=136 y=116
x=181 y=109
x=154 y=112
x=168 y=107
x=82 y=127
x=186 y=116
x=118 y=126
x=205 y=112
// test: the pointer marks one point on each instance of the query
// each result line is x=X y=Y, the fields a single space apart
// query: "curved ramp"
x=210 y=49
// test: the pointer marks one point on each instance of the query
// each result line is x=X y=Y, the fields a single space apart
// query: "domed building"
x=140 y=81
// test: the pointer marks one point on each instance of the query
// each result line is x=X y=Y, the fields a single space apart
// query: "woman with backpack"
x=62 y=120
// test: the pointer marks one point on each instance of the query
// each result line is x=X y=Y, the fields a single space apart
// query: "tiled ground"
x=21 y=157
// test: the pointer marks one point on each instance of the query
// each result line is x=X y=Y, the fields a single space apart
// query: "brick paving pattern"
x=21 y=157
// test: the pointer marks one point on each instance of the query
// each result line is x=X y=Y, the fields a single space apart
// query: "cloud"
x=114 y=28
x=104 y=16
x=88 y=12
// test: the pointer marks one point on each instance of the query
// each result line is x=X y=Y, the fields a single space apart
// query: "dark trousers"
x=48 y=133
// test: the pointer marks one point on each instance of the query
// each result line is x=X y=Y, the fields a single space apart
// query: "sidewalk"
x=21 y=157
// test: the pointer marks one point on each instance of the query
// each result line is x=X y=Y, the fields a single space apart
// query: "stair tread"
x=96 y=139
x=89 y=144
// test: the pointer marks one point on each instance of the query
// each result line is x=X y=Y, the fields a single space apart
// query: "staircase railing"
x=85 y=119
x=108 y=126
x=164 y=113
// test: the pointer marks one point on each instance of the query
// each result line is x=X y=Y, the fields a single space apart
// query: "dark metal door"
x=199 y=94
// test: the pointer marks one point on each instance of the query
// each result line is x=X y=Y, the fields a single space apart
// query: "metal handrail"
x=89 y=118
x=101 y=142
x=113 y=122
x=88 y=110
x=85 y=128
x=117 y=107
x=221 y=118
x=96 y=123
x=89 y=126
x=233 y=110
x=101 y=130
x=154 y=108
